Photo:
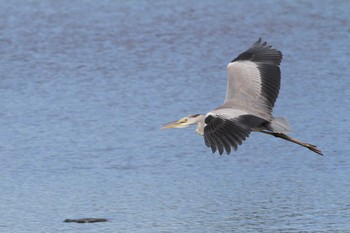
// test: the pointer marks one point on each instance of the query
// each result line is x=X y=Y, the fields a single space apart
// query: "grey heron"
x=253 y=83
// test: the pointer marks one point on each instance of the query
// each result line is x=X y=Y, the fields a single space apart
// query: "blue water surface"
x=86 y=85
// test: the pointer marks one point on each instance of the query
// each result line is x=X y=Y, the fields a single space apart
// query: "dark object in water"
x=86 y=220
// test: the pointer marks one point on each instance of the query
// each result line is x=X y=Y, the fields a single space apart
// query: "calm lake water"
x=86 y=85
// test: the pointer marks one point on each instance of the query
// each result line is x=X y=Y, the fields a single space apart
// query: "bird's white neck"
x=200 y=125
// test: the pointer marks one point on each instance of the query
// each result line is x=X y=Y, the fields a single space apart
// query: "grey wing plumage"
x=254 y=80
x=226 y=131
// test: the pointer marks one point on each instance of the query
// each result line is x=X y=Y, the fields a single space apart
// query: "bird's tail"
x=278 y=125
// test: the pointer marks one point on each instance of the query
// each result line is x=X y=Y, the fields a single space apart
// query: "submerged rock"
x=86 y=220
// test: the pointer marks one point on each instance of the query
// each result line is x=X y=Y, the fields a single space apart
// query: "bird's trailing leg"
x=286 y=137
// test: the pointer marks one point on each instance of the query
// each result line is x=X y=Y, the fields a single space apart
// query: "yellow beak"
x=171 y=125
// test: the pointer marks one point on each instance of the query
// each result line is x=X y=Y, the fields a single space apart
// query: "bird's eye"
x=184 y=120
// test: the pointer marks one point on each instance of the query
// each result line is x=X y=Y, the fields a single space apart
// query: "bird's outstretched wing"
x=228 y=128
x=254 y=80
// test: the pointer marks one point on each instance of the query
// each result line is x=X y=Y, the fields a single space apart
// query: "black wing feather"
x=261 y=52
x=226 y=133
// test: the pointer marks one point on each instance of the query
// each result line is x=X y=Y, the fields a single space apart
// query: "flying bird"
x=253 y=83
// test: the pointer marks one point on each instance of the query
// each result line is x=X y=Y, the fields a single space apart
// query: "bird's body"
x=253 y=84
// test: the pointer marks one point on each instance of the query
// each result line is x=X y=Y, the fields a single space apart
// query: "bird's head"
x=184 y=122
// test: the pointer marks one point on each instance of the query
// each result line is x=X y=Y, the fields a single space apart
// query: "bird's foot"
x=313 y=148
